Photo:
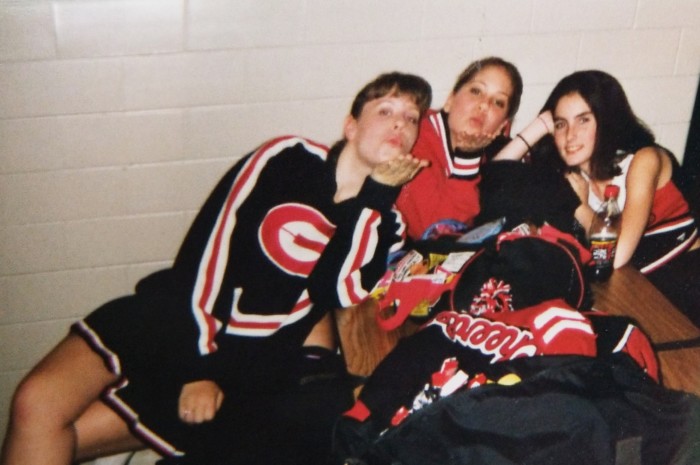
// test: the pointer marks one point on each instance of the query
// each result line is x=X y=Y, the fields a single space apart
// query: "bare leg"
x=323 y=334
x=48 y=402
x=695 y=246
x=101 y=432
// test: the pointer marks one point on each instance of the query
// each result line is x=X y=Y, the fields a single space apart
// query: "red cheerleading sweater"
x=448 y=188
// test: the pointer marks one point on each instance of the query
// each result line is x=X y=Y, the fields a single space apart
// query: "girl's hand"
x=398 y=171
x=199 y=401
x=539 y=127
x=547 y=121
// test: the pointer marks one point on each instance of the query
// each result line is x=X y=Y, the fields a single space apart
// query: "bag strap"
x=553 y=235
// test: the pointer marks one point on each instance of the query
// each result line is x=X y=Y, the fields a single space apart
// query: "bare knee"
x=61 y=386
x=322 y=334
x=29 y=399
x=33 y=404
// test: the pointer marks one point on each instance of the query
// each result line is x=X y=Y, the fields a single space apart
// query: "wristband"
x=529 y=149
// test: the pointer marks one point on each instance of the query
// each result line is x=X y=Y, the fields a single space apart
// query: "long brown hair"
x=619 y=131
x=510 y=69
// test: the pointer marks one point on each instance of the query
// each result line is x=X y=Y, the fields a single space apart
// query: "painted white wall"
x=118 y=116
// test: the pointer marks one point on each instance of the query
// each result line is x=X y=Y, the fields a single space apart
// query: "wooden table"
x=627 y=292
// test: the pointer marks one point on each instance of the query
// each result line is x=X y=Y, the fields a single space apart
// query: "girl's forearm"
x=522 y=143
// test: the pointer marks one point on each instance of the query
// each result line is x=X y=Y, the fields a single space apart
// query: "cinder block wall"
x=117 y=116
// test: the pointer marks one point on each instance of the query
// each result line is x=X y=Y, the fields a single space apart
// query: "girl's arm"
x=641 y=184
x=367 y=230
x=528 y=137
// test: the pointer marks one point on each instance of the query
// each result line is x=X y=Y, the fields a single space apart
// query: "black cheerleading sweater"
x=267 y=256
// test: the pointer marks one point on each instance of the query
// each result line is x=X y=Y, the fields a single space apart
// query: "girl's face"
x=386 y=128
x=575 y=131
x=480 y=106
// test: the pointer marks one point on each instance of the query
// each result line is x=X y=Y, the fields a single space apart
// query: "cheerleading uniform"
x=671 y=229
x=268 y=255
x=447 y=189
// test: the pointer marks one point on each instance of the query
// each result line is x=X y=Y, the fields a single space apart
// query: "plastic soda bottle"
x=605 y=229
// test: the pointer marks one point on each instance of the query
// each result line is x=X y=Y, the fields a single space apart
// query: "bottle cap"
x=611 y=191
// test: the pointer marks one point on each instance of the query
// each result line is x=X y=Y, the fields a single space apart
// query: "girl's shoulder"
x=652 y=162
x=647 y=158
